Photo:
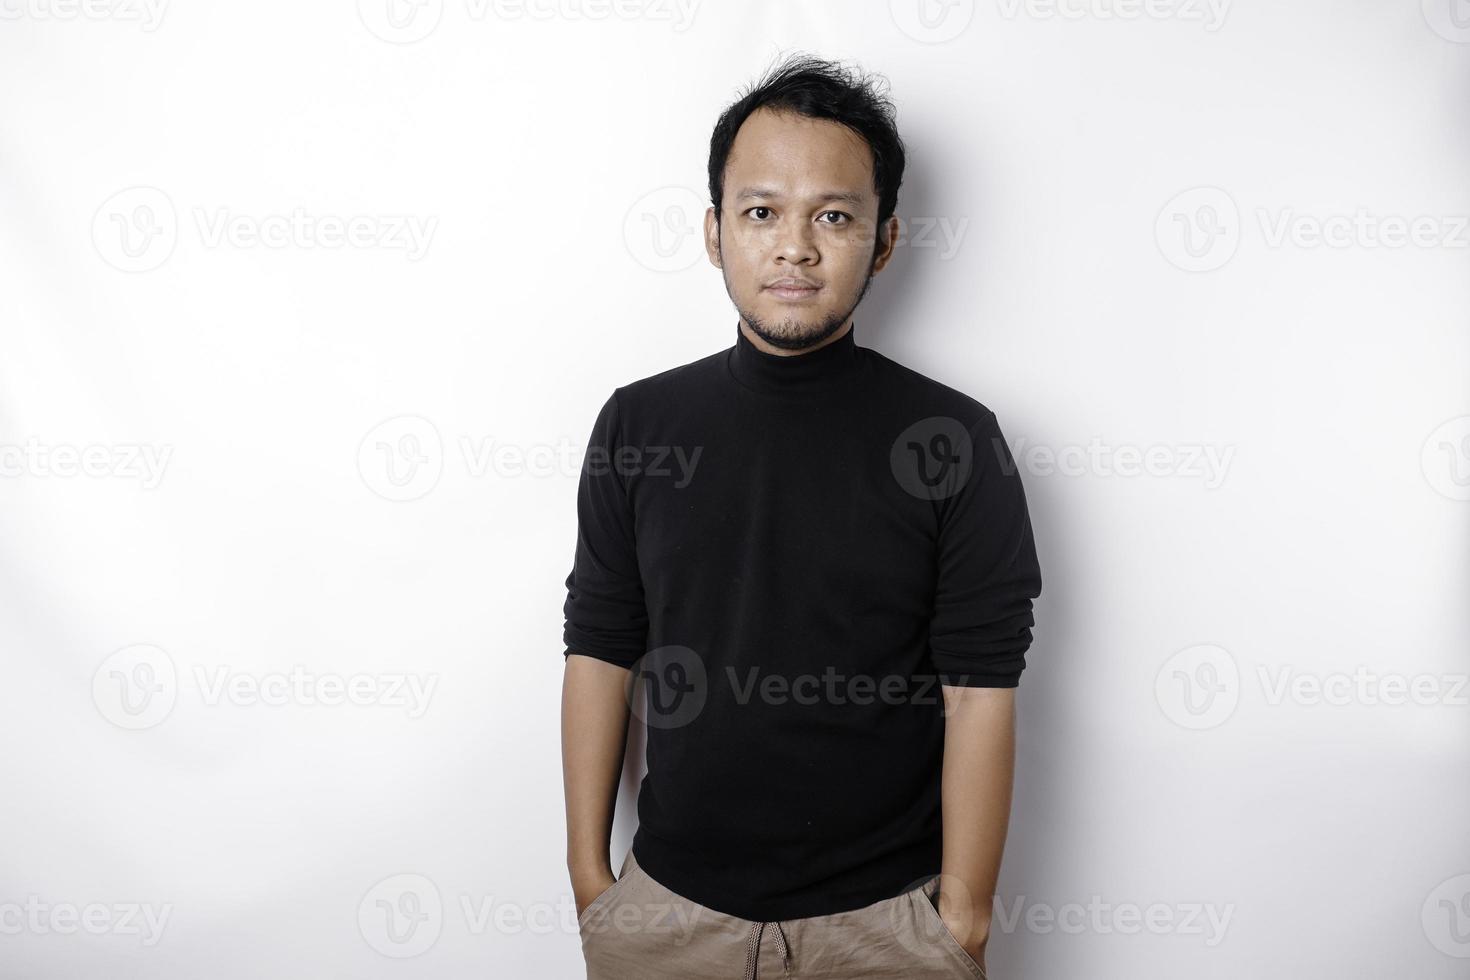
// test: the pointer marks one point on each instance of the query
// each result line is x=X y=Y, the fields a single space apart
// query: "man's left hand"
x=966 y=928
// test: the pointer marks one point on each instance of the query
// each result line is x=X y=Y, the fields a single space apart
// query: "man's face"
x=797 y=240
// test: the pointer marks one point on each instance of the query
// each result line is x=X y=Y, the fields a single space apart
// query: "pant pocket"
x=609 y=893
x=936 y=931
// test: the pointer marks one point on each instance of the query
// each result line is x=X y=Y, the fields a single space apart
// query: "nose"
x=796 y=244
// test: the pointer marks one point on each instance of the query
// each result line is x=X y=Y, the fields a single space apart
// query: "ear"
x=712 y=238
x=891 y=228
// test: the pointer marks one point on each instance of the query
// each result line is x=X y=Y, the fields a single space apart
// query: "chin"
x=797 y=336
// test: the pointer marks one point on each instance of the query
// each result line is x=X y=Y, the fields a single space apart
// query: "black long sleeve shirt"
x=792 y=554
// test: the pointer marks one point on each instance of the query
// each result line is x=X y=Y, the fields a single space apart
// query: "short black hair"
x=820 y=89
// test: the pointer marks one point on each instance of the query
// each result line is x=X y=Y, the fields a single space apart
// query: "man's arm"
x=606 y=632
x=978 y=639
x=594 y=733
x=979 y=764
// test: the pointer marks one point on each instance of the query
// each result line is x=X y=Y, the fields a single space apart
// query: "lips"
x=793 y=289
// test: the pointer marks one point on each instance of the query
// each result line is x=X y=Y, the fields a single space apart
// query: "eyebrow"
x=851 y=197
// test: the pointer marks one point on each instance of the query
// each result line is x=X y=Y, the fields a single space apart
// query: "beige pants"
x=639 y=930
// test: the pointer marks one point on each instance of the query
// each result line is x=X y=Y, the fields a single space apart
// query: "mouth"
x=793 y=292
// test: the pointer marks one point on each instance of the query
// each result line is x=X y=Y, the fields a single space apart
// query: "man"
x=820 y=564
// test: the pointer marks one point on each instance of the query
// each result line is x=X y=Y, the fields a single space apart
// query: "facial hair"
x=802 y=339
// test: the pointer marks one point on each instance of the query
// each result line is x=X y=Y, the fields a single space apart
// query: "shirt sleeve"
x=605 y=613
x=987 y=571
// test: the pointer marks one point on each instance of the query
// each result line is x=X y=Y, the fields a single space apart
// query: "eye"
x=758 y=207
x=840 y=214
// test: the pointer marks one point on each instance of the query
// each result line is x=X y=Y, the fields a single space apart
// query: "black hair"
x=819 y=89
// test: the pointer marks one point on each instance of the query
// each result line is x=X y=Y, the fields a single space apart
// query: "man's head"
x=804 y=172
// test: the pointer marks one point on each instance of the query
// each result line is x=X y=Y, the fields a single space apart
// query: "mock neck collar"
x=827 y=368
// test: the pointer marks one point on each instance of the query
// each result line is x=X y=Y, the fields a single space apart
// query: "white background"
x=365 y=457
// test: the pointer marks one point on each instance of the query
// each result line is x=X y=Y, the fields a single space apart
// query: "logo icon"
x=401 y=459
x=933 y=458
x=932 y=21
x=1445 y=458
x=136 y=229
x=136 y=687
x=1198 y=230
x=401 y=916
x=400 y=21
x=1446 y=916
x=1198 y=687
x=664 y=229
x=1450 y=19
x=667 y=687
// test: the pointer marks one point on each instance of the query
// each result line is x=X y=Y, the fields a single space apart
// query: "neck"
x=827 y=366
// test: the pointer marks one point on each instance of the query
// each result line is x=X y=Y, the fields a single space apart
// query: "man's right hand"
x=594 y=734
x=586 y=888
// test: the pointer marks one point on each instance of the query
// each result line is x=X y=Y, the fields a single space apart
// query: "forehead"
x=798 y=156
